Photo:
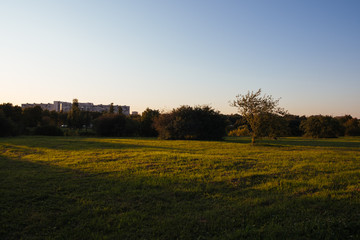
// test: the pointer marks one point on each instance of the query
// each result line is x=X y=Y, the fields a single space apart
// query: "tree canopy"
x=321 y=127
x=185 y=122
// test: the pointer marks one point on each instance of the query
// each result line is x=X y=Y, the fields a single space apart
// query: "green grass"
x=120 y=188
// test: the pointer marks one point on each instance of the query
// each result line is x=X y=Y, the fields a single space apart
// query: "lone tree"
x=261 y=112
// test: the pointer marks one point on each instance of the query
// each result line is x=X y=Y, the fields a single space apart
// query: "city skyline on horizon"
x=59 y=106
x=161 y=110
x=162 y=55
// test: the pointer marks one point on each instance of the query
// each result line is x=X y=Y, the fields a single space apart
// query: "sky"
x=163 y=54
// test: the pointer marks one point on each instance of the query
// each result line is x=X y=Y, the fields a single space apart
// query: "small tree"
x=260 y=112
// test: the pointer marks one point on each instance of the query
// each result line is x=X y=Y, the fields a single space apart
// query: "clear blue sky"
x=163 y=54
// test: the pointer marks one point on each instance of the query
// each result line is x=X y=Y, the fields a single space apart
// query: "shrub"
x=239 y=132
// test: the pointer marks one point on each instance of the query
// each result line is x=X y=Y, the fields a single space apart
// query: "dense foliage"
x=148 y=117
x=110 y=125
x=182 y=123
x=321 y=127
x=191 y=123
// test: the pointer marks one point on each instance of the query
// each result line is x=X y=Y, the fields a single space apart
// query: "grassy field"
x=104 y=188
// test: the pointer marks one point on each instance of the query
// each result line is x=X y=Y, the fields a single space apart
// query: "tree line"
x=259 y=116
x=264 y=118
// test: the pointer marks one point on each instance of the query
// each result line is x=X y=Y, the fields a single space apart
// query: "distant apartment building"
x=59 y=106
x=44 y=106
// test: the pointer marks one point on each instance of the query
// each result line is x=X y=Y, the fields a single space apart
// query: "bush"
x=86 y=133
x=186 y=122
x=241 y=131
x=68 y=132
x=48 y=130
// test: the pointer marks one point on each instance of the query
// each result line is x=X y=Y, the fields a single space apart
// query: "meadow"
x=142 y=188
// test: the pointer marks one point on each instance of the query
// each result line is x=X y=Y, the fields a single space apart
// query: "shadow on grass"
x=282 y=142
x=335 y=142
x=40 y=201
x=243 y=140
x=78 y=143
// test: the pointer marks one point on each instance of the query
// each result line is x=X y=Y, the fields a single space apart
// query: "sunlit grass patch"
x=140 y=188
